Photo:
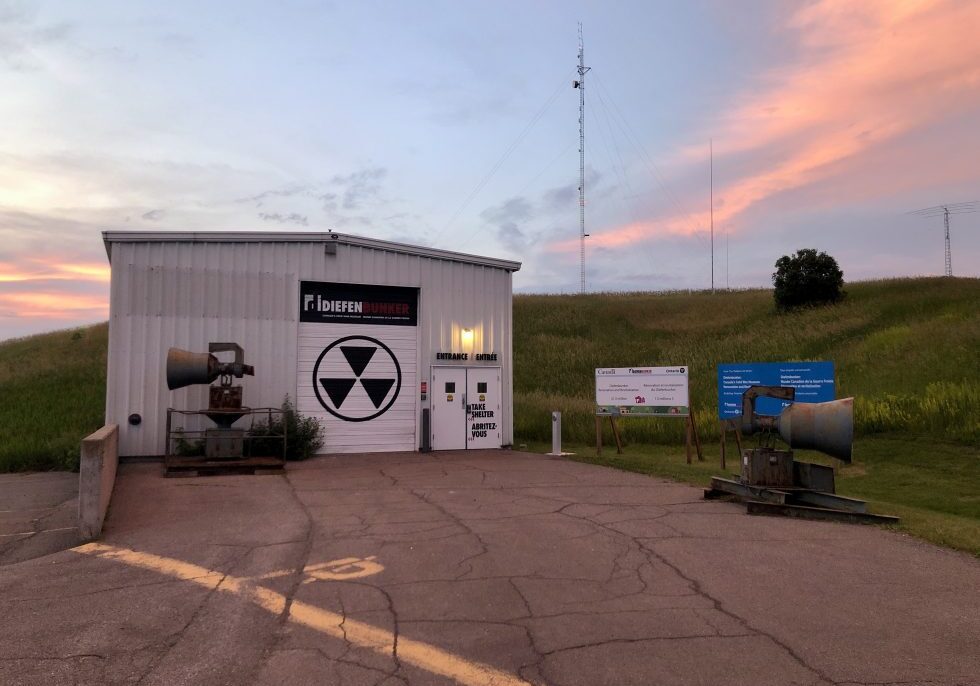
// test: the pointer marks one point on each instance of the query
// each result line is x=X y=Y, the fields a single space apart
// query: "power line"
x=645 y=158
x=528 y=184
x=629 y=199
x=620 y=171
x=503 y=158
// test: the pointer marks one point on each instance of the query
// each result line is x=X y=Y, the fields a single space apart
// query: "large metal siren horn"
x=827 y=427
x=772 y=482
x=186 y=368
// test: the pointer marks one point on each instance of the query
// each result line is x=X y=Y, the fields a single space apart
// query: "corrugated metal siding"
x=185 y=295
x=396 y=428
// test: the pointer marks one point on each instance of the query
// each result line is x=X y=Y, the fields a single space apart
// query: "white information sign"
x=642 y=391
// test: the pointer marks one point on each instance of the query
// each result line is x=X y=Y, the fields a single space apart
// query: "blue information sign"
x=813 y=381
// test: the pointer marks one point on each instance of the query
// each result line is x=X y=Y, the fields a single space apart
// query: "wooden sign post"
x=692 y=430
x=598 y=435
x=691 y=437
x=726 y=425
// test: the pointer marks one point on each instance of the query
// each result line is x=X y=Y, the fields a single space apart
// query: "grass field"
x=908 y=351
x=52 y=394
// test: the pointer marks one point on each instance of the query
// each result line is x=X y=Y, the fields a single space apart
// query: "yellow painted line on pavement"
x=417 y=653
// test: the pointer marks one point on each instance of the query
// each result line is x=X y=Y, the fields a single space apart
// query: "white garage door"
x=357 y=365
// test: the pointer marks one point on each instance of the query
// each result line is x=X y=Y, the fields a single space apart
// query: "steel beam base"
x=795 y=502
x=755 y=507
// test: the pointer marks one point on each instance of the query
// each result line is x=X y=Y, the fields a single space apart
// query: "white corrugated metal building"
x=362 y=334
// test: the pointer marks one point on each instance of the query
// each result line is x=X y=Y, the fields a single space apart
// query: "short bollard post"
x=555 y=433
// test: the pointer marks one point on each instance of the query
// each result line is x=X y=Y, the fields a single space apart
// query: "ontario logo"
x=357 y=378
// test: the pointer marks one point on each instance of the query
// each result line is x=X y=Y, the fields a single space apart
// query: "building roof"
x=110 y=237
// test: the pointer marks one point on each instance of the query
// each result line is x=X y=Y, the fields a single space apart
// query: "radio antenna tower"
x=944 y=211
x=580 y=84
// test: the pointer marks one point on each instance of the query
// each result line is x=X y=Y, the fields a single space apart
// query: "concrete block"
x=96 y=477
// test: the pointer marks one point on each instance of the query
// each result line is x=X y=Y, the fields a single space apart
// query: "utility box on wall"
x=349 y=328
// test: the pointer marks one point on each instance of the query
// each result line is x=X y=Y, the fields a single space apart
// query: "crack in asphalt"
x=646 y=639
x=42 y=658
x=484 y=548
x=86 y=594
x=173 y=639
x=296 y=577
x=395 y=631
x=718 y=605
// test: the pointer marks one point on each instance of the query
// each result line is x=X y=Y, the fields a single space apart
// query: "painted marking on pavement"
x=417 y=653
x=335 y=570
x=347 y=568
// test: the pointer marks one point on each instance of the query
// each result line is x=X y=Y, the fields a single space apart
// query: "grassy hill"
x=908 y=351
x=52 y=394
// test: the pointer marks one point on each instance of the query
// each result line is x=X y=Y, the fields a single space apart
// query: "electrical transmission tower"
x=944 y=211
x=580 y=84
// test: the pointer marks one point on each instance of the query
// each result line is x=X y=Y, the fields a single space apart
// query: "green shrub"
x=304 y=436
x=807 y=278
x=186 y=448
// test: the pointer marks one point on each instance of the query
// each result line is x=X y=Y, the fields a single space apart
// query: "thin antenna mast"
x=711 y=195
x=949 y=257
x=946 y=210
x=580 y=84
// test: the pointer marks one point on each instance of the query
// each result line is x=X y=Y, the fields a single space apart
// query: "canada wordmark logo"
x=357 y=378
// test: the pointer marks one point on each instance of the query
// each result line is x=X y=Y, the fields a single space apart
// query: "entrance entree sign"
x=642 y=392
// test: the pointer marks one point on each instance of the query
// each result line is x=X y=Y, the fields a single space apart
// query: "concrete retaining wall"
x=96 y=477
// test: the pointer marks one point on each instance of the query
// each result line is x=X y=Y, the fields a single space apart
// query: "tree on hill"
x=807 y=278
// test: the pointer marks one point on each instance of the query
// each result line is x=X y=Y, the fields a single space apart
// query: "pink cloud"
x=873 y=71
x=53 y=305
x=48 y=288
x=53 y=268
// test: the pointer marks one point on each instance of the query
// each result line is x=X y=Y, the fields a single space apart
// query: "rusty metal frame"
x=201 y=434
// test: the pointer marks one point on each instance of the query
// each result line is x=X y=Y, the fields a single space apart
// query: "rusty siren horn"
x=827 y=427
x=185 y=368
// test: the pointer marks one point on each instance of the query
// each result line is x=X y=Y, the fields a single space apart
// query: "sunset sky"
x=455 y=124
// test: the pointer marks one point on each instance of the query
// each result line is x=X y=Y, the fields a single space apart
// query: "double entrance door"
x=465 y=407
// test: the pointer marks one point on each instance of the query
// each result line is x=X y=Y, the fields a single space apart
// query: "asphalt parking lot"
x=486 y=567
x=38 y=514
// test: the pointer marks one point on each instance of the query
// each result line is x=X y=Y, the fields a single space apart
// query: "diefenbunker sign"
x=346 y=303
x=642 y=391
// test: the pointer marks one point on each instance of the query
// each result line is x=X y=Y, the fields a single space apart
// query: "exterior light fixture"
x=466 y=336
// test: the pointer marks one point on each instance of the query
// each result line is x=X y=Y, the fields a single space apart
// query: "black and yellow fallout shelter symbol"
x=357 y=378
